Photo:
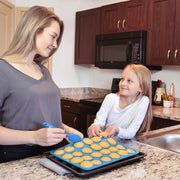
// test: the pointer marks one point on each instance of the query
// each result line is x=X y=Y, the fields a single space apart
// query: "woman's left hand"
x=112 y=131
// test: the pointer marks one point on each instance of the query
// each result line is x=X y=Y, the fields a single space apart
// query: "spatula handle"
x=45 y=124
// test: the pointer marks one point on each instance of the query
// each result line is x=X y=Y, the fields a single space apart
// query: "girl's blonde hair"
x=144 y=76
x=33 y=22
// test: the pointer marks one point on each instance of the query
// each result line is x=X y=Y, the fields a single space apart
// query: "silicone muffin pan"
x=131 y=153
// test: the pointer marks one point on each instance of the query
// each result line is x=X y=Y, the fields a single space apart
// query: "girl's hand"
x=48 y=136
x=112 y=131
x=93 y=130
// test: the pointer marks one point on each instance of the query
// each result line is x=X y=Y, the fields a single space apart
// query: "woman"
x=129 y=111
x=28 y=95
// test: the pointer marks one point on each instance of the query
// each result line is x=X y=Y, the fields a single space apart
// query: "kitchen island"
x=157 y=164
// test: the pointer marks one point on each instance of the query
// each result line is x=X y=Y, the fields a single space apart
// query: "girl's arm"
x=42 y=137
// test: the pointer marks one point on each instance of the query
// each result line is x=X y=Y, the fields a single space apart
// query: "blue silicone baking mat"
x=88 y=154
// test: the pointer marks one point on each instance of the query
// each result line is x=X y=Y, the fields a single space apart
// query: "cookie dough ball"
x=123 y=152
x=87 y=141
x=96 y=154
x=130 y=151
x=77 y=153
x=86 y=157
x=114 y=149
x=67 y=156
x=97 y=162
x=86 y=164
x=69 y=149
x=104 y=144
x=104 y=134
x=112 y=141
x=105 y=151
x=78 y=144
x=76 y=160
x=87 y=150
x=96 y=146
x=120 y=147
x=59 y=152
x=96 y=139
x=106 y=159
x=115 y=155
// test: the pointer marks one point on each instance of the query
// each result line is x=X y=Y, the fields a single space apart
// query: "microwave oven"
x=115 y=51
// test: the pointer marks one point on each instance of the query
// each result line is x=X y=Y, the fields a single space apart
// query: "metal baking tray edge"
x=86 y=174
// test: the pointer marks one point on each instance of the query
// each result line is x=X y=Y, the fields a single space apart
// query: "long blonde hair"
x=23 y=42
x=144 y=76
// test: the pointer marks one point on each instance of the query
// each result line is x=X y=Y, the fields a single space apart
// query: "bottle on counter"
x=172 y=95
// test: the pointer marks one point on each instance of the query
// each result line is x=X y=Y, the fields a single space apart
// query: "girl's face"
x=129 y=85
x=46 y=41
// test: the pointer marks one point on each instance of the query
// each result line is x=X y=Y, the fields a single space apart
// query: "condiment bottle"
x=171 y=93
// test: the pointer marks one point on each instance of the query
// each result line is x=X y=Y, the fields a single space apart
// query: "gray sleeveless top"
x=25 y=103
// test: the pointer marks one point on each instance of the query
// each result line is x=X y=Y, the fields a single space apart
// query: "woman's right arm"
x=42 y=137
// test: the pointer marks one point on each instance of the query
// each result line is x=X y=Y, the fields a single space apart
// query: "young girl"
x=129 y=111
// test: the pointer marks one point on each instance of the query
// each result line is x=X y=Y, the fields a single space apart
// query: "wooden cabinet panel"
x=70 y=113
x=177 y=34
x=163 y=32
x=111 y=18
x=136 y=15
x=123 y=17
x=87 y=26
x=7 y=19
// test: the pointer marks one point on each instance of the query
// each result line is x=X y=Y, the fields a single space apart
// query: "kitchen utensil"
x=72 y=137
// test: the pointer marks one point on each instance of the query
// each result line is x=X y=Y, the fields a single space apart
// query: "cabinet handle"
x=175 y=53
x=118 y=23
x=75 y=122
x=123 y=23
x=66 y=106
x=168 y=53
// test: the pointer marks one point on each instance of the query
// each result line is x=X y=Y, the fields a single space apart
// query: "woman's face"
x=129 y=85
x=46 y=41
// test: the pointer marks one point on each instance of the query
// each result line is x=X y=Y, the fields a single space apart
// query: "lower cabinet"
x=159 y=123
x=70 y=113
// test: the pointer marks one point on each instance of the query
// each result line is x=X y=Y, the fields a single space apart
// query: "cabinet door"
x=135 y=16
x=7 y=18
x=177 y=35
x=87 y=26
x=160 y=35
x=111 y=18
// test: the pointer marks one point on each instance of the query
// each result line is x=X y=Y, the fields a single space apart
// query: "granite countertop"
x=75 y=94
x=157 y=164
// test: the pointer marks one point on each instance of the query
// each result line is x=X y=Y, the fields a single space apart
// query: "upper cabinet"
x=122 y=17
x=164 y=32
x=7 y=18
x=87 y=26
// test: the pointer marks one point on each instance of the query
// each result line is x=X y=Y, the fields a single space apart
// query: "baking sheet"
x=78 y=172
x=95 y=166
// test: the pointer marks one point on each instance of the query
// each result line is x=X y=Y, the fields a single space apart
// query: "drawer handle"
x=118 y=24
x=168 y=53
x=66 y=106
x=175 y=53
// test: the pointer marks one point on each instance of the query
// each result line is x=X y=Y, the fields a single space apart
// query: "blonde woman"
x=128 y=112
x=28 y=95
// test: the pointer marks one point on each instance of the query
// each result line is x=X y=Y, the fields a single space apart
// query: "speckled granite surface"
x=158 y=164
x=75 y=94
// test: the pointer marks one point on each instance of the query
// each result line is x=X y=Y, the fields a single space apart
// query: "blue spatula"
x=72 y=137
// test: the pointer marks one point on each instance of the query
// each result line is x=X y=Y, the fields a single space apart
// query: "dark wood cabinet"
x=159 y=123
x=164 y=31
x=87 y=26
x=123 y=17
x=70 y=113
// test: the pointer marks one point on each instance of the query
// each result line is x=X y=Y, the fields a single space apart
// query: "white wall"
x=65 y=73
